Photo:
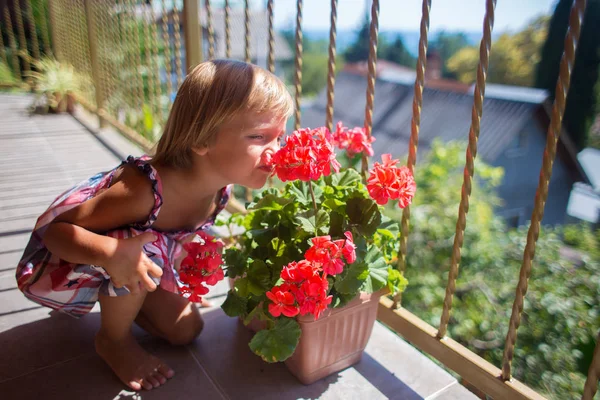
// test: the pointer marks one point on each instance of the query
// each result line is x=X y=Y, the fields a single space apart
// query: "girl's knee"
x=186 y=329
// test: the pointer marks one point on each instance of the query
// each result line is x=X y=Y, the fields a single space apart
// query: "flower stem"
x=312 y=194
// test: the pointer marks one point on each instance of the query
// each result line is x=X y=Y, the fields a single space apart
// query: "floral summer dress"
x=73 y=288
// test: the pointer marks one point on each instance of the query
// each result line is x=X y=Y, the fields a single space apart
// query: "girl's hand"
x=130 y=267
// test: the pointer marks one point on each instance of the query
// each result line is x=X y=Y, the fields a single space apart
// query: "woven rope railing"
x=372 y=65
x=331 y=66
x=415 y=125
x=554 y=130
x=298 y=65
x=476 y=113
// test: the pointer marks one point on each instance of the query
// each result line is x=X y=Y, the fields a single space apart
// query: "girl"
x=115 y=237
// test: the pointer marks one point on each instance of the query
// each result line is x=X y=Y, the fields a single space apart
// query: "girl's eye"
x=256 y=137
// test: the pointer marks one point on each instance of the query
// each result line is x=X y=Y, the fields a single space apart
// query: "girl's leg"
x=170 y=316
x=116 y=345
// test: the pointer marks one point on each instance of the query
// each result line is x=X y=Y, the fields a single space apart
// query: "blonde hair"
x=211 y=95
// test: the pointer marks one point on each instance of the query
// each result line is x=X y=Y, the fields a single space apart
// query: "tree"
x=396 y=52
x=315 y=58
x=562 y=306
x=446 y=45
x=359 y=50
x=582 y=97
x=513 y=57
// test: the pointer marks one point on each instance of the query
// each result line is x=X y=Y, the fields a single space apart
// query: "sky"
x=405 y=15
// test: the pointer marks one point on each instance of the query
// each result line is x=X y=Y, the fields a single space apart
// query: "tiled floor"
x=45 y=355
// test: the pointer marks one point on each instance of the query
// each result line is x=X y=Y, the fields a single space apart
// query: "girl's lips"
x=266 y=168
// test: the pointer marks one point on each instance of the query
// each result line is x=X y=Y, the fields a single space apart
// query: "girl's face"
x=241 y=147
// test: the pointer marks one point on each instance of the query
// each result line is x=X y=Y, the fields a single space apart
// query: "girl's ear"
x=201 y=151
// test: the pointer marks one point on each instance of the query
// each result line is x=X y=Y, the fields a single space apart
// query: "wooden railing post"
x=92 y=39
x=192 y=33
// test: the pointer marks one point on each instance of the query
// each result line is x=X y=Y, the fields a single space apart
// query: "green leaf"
x=241 y=287
x=396 y=281
x=300 y=191
x=336 y=224
x=335 y=205
x=353 y=277
x=259 y=278
x=270 y=202
x=277 y=343
x=234 y=304
x=341 y=299
x=314 y=224
x=364 y=214
x=345 y=178
x=388 y=228
x=236 y=262
x=377 y=276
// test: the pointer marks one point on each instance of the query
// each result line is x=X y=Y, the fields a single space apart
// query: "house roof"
x=445 y=115
x=259 y=34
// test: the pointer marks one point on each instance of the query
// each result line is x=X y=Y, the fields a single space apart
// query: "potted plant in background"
x=54 y=82
x=317 y=253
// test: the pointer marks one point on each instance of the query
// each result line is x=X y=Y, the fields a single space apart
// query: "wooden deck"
x=45 y=355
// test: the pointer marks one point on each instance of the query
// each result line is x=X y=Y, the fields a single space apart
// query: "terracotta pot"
x=335 y=341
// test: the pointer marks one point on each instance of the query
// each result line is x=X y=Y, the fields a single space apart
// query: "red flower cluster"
x=387 y=181
x=201 y=265
x=306 y=155
x=305 y=286
x=354 y=141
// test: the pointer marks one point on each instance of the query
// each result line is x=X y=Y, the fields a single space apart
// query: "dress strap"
x=143 y=164
x=224 y=196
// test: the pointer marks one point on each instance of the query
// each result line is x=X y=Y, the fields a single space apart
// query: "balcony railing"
x=132 y=56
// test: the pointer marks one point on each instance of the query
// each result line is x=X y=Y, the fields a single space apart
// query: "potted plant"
x=54 y=82
x=317 y=253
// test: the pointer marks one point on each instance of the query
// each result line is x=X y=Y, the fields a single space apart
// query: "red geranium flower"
x=283 y=303
x=306 y=155
x=202 y=265
x=386 y=181
x=354 y=140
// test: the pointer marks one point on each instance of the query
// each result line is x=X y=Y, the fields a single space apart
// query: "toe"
x=160 y=377
x=135 y=385
x=166 y=371
x=153 y=381
x=146 y=384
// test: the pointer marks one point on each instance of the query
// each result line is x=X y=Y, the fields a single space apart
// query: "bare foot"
x=133 y=365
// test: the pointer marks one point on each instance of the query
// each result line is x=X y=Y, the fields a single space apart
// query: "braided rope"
x=298 y=64
x=554 y=129
x=331 y=66
x=176 y=28
x=414 y=132
x=148 y=52
x=247 y=31
x=24 y=52
x=373 y=38
x=35 y=46
x=44 y=29
x=591 y=383
x=167 y=50
x=211 y=31
x=477 y=111
x=227 y=30
x=2 y=50
x=155 y=66
x=271 y=59
x=12 y=42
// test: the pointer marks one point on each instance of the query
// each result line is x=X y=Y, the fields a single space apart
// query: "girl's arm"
x=74 y=235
